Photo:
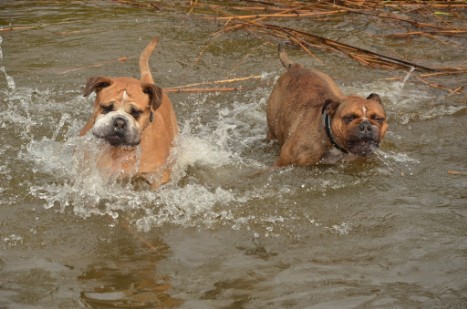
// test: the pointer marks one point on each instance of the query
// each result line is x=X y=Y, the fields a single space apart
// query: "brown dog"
x=137 y=121
x=314 y=122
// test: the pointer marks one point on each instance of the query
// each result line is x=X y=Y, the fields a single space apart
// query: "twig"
x=283 y=15
x=452 y=172
x=460 y=71
x=348 y=49
x=443 y=32
x=393 y=17
x=5 y=29
x=224 y=81
x=192 y=6
x=255 y=22
x=139 y=5
x=202 y=52
x=457 y=90
x=179 y=90
x=302 y=45
x=121 y=59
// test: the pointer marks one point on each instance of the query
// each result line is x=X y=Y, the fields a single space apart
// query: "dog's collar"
x=327 y=127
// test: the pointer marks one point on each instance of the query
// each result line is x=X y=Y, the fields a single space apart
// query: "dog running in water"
x=315 y=123
x=137 y=121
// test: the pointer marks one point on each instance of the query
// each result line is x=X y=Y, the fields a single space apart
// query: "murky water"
x=226 y=232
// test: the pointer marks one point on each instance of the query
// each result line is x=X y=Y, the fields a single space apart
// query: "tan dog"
x=314 y=122
x=136 y=119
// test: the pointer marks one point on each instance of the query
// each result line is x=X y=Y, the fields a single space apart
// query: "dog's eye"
x=107 y=109
x=377 y=119
x=135 y=113
x=349 y=118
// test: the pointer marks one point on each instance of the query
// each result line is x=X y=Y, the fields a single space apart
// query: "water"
x=227 y=231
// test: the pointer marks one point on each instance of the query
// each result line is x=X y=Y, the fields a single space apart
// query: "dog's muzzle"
x=364 y=141
x=118 y=129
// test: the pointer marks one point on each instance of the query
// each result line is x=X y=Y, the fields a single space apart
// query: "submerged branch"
x=121 y=59
x=457 y=90
x=360 y=54
x=200 y=90
x=308 y=41
x=427 y=19
x=440 y=32
x=453 y=172
x=193 y=87
x=282 y=15
x=224 y=81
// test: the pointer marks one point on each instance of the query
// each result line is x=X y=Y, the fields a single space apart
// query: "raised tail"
x=144 y=69
x=286 y=62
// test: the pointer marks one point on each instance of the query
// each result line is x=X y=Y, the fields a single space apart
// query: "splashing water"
x=211 y=181
x=10 y=81
x=72 y=185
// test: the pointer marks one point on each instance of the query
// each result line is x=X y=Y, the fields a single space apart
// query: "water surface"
x=385 y=232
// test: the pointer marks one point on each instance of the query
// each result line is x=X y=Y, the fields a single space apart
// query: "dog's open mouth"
x=363 y=147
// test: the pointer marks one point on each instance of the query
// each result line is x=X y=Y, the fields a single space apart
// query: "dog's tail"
x=286 y=62
x=144 y=69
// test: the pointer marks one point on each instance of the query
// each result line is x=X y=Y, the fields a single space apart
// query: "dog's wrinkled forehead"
x=124 y=93
x=361 y=106
x=125 y=97
x=122 y=98
x=110 y=89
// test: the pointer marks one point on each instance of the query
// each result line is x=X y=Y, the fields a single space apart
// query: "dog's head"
x=358 y=125
x=123 y=108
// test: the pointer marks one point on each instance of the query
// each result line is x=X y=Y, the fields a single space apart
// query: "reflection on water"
x=227 y=231
x=128 y=281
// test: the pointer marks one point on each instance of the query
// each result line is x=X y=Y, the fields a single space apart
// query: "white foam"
x=71 y=185
x=10 y=81
x=230 y=140
x=187 y=206
x=440 y=110
x=341 y=229
x=398 y=157
x=199 y=149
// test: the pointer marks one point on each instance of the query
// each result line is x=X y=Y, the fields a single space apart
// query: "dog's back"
x=288 y=64
x=298 y=93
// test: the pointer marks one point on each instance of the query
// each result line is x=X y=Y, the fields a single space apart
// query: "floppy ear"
x=96 y=84
x=155 y=95
x=374 y=97
x=330 y=107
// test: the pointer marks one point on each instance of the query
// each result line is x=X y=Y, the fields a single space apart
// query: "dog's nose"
x=119 y=124
x=365 y=127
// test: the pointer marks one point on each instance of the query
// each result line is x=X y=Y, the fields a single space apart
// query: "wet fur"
x=295 y=116
x=143 y=148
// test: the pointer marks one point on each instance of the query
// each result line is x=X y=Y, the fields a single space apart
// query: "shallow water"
x=385 y=232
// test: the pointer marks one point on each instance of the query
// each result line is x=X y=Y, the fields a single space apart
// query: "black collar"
x=327 y=126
